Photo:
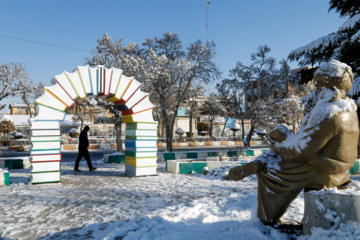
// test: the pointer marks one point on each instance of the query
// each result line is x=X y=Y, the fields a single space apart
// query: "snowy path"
x=106 y=204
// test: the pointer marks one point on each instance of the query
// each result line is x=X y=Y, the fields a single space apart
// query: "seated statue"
x=318 y=156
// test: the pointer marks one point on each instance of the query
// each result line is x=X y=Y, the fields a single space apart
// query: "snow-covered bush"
x=74 y=133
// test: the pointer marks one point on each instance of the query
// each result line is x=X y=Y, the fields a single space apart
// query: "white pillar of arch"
x=110 y=84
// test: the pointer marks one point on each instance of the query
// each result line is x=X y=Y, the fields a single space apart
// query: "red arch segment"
x=141 y=129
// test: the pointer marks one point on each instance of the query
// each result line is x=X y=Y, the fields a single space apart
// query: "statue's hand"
x=279 y=134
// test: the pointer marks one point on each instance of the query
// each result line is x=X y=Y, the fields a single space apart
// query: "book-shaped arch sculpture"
x=110 y=84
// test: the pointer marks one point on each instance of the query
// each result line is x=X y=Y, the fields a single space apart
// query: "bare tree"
x=260 y=80
x=83 y=110
x=31 y=91
x=13 y=81
x=231 y=95
x=212 y=108
x=169 y=71
x=293 y=110
x=193 y=99
x=111 y=54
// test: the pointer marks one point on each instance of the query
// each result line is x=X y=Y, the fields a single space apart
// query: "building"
x=21 y=109
x=252 y=95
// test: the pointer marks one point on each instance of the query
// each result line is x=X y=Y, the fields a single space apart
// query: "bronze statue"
x=318 y=156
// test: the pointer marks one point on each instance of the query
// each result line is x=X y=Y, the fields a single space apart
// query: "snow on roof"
x=335 y=68
x=20 y=105
x=23 y=120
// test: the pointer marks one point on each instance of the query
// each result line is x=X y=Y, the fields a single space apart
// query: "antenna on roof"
x=207 y=22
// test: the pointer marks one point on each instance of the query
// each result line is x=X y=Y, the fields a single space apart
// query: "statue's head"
x=334 y=74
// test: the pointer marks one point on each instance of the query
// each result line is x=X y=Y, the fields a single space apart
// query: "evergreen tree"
x=343 y=45
x=345 y=7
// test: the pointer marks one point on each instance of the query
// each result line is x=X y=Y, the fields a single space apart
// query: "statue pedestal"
x=327 y=209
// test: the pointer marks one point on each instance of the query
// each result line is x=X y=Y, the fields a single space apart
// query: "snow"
x=106 y=204
x=322 y=43
x=333 y=67
x=350 y=23
x=23 y=120
x=352 y=189
x=356 y=36
x=69 y=121
x=6 y=118
x=324 y=109
x=234 y=125
x=73 y=131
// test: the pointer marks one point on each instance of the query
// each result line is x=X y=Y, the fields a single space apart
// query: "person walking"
x=83 y=150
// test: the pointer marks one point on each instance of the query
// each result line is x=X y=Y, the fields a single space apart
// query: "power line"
x=42 y=43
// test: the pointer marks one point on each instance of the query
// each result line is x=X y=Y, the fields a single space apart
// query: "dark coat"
x=83 y=140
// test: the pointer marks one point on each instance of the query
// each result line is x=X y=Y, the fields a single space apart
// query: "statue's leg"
x=248 y=169
x=272 y=204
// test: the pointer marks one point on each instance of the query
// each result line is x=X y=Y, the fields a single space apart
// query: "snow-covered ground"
x=106 y=204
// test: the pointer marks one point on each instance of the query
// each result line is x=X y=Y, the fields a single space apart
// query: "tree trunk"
x=210 y=128
x=248 y=137
x=118 y=125
x=242 y=129
x=190 y=125
x=27 y=104
x=169 y=137
x=223 y=131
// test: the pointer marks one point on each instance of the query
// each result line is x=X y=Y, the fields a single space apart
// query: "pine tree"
x=343 y=45
x=345 y=7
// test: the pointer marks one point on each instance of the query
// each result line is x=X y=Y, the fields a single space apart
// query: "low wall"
x=189 y=166
x=210 y=144
x=15 y=163
x=73 y=147
x=221 y=154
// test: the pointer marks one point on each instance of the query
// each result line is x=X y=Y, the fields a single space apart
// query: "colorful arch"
x=110 y=84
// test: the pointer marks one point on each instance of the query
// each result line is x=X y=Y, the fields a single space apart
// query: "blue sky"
x=237 y=27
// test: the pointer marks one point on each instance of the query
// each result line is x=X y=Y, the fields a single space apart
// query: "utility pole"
x=207 y=21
